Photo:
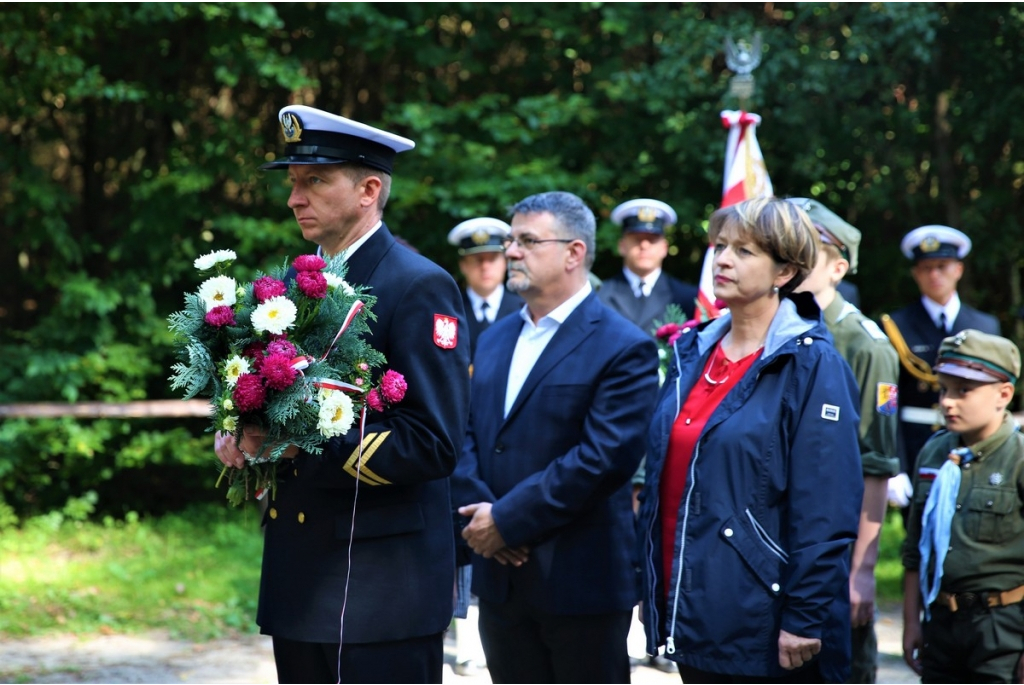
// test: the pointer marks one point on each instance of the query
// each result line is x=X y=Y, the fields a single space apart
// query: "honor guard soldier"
x=642 y=291
x=917 y=330
x=359 y=557
x=875 y=365
x=964 y=551
x=482 y=263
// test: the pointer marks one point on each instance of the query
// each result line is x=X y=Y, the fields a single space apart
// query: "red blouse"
x=704 y=398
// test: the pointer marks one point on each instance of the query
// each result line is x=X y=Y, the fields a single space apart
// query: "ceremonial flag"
x=746 y=176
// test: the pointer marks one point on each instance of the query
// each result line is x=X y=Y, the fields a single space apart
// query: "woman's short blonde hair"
x=777 y=227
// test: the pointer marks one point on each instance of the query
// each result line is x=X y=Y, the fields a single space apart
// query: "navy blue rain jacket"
x=771 y=505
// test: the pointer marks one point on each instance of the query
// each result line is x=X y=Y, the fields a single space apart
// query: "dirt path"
x=155 y=658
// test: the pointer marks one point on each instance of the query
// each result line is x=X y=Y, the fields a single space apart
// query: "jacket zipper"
x=670 y=642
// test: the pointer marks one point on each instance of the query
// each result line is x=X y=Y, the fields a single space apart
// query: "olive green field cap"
x=832 y=229
x=979 y=356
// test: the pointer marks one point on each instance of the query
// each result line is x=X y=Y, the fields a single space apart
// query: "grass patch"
x=889 y=569
x=195 y=574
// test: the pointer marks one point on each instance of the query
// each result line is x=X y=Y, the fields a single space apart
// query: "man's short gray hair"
x=572 y=217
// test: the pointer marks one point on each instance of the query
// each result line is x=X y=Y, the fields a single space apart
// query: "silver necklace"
x=707 y=370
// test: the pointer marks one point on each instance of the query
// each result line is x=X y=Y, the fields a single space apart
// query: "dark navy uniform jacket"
x=923 y=338
x=510 y=302
x=616 y=293
x=403 y=559
x=557 y=468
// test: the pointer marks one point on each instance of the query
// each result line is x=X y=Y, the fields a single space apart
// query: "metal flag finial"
x=742 y=58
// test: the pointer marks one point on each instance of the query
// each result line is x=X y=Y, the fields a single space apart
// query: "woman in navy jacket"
x=754 y=489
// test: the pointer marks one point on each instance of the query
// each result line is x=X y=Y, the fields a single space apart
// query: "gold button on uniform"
x=273 y=513
x=302 y=517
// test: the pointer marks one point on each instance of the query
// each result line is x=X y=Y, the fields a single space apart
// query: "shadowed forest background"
x=132 y=134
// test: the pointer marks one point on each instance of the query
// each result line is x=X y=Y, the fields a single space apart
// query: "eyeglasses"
x=528 y=243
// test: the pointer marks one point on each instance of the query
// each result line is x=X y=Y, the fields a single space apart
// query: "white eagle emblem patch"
x=446 y=331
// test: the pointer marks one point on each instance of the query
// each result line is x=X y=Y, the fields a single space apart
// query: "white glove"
x=900 y=490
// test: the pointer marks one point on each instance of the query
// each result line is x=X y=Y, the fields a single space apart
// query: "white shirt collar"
x=559 y=314
x=648 y=281
x=951 y=309
x=493 y=302
x=347 y=253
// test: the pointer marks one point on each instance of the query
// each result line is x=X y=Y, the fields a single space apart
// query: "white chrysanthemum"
x=336 y=415
x=218 y=291
x=335 y=281
x=276 y=315
x=323 y=393
x=234 y=368
x=208 y=261
x=230 y=424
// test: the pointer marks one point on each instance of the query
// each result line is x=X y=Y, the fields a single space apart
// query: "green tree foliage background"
x=133 y=132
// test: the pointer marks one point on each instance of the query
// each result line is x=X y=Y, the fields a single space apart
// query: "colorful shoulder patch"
x=446 y=331
x=887 y=399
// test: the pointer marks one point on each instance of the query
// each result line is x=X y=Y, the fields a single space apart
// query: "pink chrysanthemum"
x=282 y=346
x=254 y=353
x=278 y=371
x=667 y=331
x=393 y=386
x=221 y=315
x=373 y=400
x=308 y=262
x=249 y=393
x=266 y=287
x=312 y=284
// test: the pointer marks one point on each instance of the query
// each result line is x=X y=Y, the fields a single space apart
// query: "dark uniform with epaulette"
x=358 y=546
x=975 y=630
x=916 y=337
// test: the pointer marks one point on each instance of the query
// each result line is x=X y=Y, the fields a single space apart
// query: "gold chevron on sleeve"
x=369 y=445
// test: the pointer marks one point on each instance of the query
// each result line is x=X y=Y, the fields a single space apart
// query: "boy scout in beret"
x=875 y=365
x=964 y=552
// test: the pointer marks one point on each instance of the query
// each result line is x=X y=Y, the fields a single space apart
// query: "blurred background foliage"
x=133 y=132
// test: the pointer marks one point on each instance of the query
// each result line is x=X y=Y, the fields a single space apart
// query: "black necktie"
x=942 y=322
x=483 y=312
x=640 y=291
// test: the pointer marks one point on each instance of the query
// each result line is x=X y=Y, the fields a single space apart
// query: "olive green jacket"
x=986 y=544
x=876 y=366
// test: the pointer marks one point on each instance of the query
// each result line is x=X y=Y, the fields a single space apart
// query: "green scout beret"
x=832 y=229
x=980 y=357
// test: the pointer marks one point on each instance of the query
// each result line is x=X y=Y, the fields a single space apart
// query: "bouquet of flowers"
x=666 y=332
x=284 y=355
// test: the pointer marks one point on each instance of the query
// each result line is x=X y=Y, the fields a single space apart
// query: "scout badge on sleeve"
x=887 y=401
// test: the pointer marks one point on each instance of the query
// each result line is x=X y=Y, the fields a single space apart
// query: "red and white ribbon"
x=353 y=311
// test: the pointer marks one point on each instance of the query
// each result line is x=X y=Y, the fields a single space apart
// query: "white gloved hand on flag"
x=900 y=490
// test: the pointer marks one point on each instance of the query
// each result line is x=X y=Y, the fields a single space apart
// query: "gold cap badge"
x=292 y=127
x=930 y=244
x=647 y=214
x=481 y=237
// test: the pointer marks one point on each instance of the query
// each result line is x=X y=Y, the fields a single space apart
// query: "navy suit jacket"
x=557 y=468
x=616 y=293
x=923 y=338
x=403 y=556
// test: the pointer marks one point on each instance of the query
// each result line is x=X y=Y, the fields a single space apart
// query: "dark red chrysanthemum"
x=220 y=315
x=282 y=346
x=254 y=353
x=667 y=331
x=312 y=284
x=278 y=372
x=373 y=400
x=393 y=386
x=266 y=287
x=309 y=262
x=249 y=393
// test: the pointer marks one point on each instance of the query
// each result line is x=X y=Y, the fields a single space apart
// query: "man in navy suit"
x=482 y=263
x=916 y=332
x=642 y=291
x=561 y=399
x=359 y=557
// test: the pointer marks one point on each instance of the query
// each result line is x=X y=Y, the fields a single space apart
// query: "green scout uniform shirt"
x=876 y=366
x=986 y=543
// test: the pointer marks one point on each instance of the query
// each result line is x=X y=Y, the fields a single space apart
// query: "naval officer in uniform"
x=642 y=291
x=917 y=330
x=359 y=557
x=482 y=263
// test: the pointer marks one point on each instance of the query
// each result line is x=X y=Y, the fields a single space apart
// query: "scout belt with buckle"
x=963 y=601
